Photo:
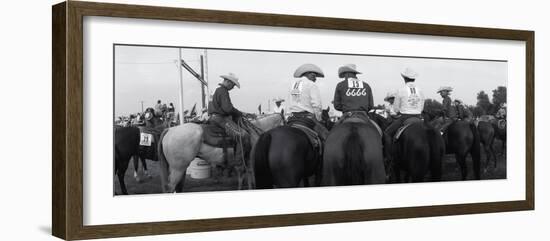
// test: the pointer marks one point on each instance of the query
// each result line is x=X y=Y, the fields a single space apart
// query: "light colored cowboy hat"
x=233 y=78
x=389 y=95
x=409 y=73
x=300 y=71
x=445 y=88
x=347 y=68
x=279 y=99
x=148 y=115
x=458 y=101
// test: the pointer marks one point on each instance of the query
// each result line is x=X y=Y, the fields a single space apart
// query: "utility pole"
x=141 y=106
x=180 y=62
x=202 y=85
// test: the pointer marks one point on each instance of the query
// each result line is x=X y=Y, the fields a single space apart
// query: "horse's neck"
x=267 y=122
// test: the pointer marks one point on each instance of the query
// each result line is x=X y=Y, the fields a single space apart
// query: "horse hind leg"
x=135 y=160
x=461 y=159
x=122 y=183
x=145 y=170
x=176 y=180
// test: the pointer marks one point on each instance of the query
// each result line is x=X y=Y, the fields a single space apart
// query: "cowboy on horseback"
x=352 y=96
x=223 y=113
x=449 y=112
x=501 y=116
x=390 y=107
x=305 y=99
x=409 y=101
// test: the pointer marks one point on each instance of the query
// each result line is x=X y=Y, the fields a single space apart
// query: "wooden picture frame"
x=67 y=123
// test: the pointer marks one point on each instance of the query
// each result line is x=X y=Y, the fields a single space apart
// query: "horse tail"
x=437 y=150
x=354 y=166
x=117 y=159
x=262 y=170
x=164 y=166
x=475 y=151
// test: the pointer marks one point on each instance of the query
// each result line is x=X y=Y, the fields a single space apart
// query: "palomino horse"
x=179 y=145
x=353 y=155
x=284 y=157
x=462 y=138
x=418 y=150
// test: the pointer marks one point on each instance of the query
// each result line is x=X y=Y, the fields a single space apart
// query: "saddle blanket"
x=145 y=139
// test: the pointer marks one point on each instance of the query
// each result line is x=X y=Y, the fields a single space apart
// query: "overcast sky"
x=150 y=73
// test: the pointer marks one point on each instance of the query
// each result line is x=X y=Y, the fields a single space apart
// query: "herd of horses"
x=355 y=152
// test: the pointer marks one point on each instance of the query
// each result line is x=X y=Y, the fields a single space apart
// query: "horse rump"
x=437 y=151
x=354 y=169
x=164 y=166
x=475 y=151
x=262 y=171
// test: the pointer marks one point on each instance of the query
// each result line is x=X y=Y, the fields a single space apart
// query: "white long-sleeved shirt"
x=305 y=96
x=409 y=100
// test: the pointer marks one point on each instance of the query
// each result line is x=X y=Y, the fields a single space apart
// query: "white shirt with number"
x=409 y=100
x=305 y=96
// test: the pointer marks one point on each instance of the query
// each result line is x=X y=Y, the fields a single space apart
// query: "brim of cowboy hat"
x=308 y=68
x=232 y=79
x=448 y=90
x=346 y=69
x=390 y=97
x=409 y=76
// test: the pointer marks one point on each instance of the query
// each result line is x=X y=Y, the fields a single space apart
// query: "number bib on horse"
x=145 y=139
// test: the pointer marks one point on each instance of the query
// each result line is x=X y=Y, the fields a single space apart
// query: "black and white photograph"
x=192 y=119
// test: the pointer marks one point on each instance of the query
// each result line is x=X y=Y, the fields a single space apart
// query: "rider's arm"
x=338 y=98
x=226 y=104
x=316 y=101
x=370 y=105
x=397 y=102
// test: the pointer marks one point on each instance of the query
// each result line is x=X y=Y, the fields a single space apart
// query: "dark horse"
x=127 y=146
x=500 y=133
x=353 y=155
x=419 y=150
x=462 y=138
x=284 y=157
x=487 y=138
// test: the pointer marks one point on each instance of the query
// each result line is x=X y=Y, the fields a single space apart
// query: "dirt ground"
x=217 y=182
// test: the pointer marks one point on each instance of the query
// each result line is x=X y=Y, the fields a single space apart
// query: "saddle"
x=408 y=122
x=360 y=117
x=216 y=136
x=307 y=126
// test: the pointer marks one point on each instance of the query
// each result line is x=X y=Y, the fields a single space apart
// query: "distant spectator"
x=158 y=108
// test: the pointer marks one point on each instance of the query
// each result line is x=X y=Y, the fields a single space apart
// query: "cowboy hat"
x=409 y=73
x=300 y=71
x=445 y=88
x=347 y=68
x=389 y=96
x=148 y=115
x=233 y=78
x=279 y=99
